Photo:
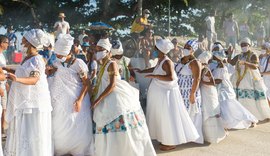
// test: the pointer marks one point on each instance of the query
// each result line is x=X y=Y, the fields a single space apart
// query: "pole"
x=169 y=19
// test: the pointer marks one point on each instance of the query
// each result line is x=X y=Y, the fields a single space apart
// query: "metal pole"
x=169 y=25
x=140 y=7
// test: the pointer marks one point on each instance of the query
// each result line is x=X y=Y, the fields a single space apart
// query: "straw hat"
x=61 y=14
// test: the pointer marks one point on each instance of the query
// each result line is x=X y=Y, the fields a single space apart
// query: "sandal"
x=166 y=147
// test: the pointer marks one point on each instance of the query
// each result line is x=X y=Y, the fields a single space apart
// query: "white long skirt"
x=235 y=116
x=29 y=134
x=213 y=130
x=72 y=131
x=167 y=118
x=127 y=135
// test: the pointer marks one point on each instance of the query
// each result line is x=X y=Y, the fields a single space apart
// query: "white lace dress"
x=213 y=129
x=185 y=81
x=29 y=113
x=121 y=128
x=167 y=117
x=72 y=131
x=234 y=115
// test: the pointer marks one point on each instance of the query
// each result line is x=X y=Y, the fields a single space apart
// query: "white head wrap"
x=204 y=57
x=164 y=45
x=267 y=45
x=63 y=44
x=219 y=46
x=117 y=48
x=220 y=55
x=193 y=43
x=246 y=40
x=105 y=43
x=37 y=38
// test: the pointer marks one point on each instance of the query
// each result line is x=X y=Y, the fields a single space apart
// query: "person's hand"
x=137 y=70
x=150 y=76
x=230 y=50
x=77 y=105
x=132 y=79
x=12 y=77
x=95 y=103
x=192 y=98
x=241 y=62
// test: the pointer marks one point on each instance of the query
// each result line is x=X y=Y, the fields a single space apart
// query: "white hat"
x=63 y=44
x=220 y=55
x=246 y=40
x=204 y=57
x=267 y=45
x=164 y=45
x=105 y=43
x=37 y=38
x=117 y=48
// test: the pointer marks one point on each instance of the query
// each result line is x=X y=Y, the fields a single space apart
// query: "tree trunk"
x=140 y=2
x=106 y=10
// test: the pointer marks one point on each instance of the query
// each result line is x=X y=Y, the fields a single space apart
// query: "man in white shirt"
x=210 y=28
x=61 y=26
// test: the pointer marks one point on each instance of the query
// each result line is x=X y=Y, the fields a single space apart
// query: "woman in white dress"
x=121 y=128
x=189 y=76
x=248 y=83
x=71 y=116
x=233 y=114
x=167 y=117
x=29 y=105
x=3 y=47
x=213 y=130
x=265 y=67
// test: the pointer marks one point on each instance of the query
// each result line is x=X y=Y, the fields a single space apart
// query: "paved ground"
x=251 y=142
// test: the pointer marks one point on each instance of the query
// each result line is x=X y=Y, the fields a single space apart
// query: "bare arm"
x=196 y=72
x=2 y=75
x=78 y=102
x=31 y=80
x=168 y=68
x=113 y=72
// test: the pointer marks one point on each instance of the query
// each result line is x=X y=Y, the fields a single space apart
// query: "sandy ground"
x=250 y=142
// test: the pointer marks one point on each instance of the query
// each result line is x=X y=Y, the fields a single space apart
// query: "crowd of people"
x=77 y=96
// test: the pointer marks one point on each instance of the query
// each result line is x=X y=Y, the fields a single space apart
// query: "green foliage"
x=185 y=14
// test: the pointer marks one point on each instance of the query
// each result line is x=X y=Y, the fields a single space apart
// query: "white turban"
x=204 y=57
x=63 y=44
x=164 y=45
x=37 y=38
x=105 y=43
x=219 y=46
x=267 y=45
x=117 y=48
x=246 y=40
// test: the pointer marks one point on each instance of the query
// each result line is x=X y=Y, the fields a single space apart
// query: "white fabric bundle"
x=205 y=57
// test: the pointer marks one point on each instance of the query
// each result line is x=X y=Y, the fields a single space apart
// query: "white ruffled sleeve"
x=36 y=64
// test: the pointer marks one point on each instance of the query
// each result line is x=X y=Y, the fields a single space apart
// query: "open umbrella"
x=100 y=26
